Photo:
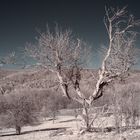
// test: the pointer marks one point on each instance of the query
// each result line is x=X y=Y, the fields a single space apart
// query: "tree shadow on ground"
x=38 y=130
x=69 y=120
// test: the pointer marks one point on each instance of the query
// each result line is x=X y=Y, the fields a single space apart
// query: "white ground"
x=71 y=132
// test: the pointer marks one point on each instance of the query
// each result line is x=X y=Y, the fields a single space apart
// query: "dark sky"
x=19 y=19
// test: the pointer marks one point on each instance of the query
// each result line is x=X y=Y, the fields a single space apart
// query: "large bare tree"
x=60 y=52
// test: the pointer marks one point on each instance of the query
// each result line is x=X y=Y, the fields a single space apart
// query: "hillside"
x=45 y=79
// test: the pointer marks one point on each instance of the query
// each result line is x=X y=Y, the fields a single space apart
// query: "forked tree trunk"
x=86 y=118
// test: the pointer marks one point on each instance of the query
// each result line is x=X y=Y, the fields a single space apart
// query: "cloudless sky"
x=19 y=20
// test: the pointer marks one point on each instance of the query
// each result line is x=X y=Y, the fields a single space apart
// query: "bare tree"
x=126 y=104
x=59 y=52
x=120 y=54
x=19 y=111
x=9 y=59
x=63 y=54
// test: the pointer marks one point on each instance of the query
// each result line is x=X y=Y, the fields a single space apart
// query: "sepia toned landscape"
x=58 y=86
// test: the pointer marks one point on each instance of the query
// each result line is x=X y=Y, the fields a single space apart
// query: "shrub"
x=20 y=111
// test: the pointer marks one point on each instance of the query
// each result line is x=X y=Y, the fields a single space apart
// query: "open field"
x=65 y=128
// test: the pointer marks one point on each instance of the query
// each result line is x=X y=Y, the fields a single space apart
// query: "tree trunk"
x=85 y=116
x=54 y=116
x=127 y=121
x=18 y=130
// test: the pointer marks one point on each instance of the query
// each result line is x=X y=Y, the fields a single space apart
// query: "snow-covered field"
x=65 y=128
